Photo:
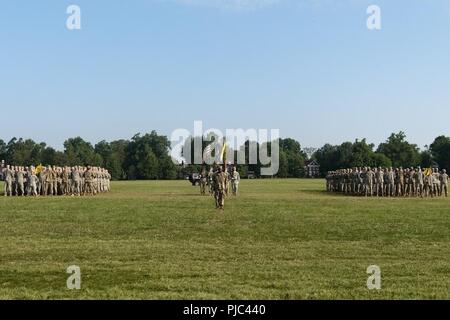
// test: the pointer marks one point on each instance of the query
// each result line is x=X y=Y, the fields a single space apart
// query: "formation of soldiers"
x=389 y=182
x=55 y=181
x=219 y=183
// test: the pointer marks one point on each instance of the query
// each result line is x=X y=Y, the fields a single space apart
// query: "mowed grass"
x=280 y=239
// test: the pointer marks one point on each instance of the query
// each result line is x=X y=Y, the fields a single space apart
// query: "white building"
x=312 y=169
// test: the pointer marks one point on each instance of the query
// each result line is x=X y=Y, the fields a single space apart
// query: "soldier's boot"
x=217 y=201
x=221 y=201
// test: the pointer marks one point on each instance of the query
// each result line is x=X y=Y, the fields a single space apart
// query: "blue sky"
x=310 y=68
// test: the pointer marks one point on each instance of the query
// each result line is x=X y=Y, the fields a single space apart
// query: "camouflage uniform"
x=444 y=183
x=368 y=182
x=235 y=180
x=20 y=176
x=436 y=182
x=391 y=183
x=220 y=181
x=32 y=184
x=9 y=177
x=65 y=190
x=76 y=181
x=88 y=182
x=379 y=182
x=203 y=182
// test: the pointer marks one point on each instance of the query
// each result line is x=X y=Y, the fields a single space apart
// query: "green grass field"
x=280 y=239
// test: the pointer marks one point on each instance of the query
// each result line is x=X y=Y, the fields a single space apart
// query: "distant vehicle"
x=194 y=178
x=251 y=175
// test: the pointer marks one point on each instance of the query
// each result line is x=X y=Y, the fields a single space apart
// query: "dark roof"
x=312 y=163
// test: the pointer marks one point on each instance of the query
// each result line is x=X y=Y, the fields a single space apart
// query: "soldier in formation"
x=389 y=182
x=203 y=182
x=55 y=181
x=220 y=182
x=210 y=181
x=220 y=185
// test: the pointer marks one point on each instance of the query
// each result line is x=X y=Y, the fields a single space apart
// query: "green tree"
x=426 y=158
x=283 y=171
x=328 y=157
x=80 y=152
x=350 y=155
x=147 y=157
x=292 y=159
x=49 y=156
x=2 y=150
x=440 y=150
x=380 y=160
x=23 y=152
x=362 y=154
x=400 y=151
x=116 y=162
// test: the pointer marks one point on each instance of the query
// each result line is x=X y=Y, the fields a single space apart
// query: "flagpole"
x=224 y=154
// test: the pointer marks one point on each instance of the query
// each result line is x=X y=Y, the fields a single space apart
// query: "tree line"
x=147 y=157
x=395 y=152
x=143 y=157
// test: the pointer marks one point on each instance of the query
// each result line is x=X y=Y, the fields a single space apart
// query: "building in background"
x=312 y=169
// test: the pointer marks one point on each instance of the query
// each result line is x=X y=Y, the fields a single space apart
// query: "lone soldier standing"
x=220 y=181
x=235 y=179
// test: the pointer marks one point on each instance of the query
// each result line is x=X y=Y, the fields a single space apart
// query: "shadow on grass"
x=328 y=194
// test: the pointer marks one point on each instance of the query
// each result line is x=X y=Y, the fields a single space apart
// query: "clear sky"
x=310 y=68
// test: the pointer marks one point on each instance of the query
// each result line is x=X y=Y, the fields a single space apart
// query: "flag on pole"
x=207 y=153
x=38 y=169
x=223 y=152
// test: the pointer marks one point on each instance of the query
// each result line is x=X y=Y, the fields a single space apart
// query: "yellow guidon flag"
x=38 y=169
x=427 y=172
x=223 y=152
